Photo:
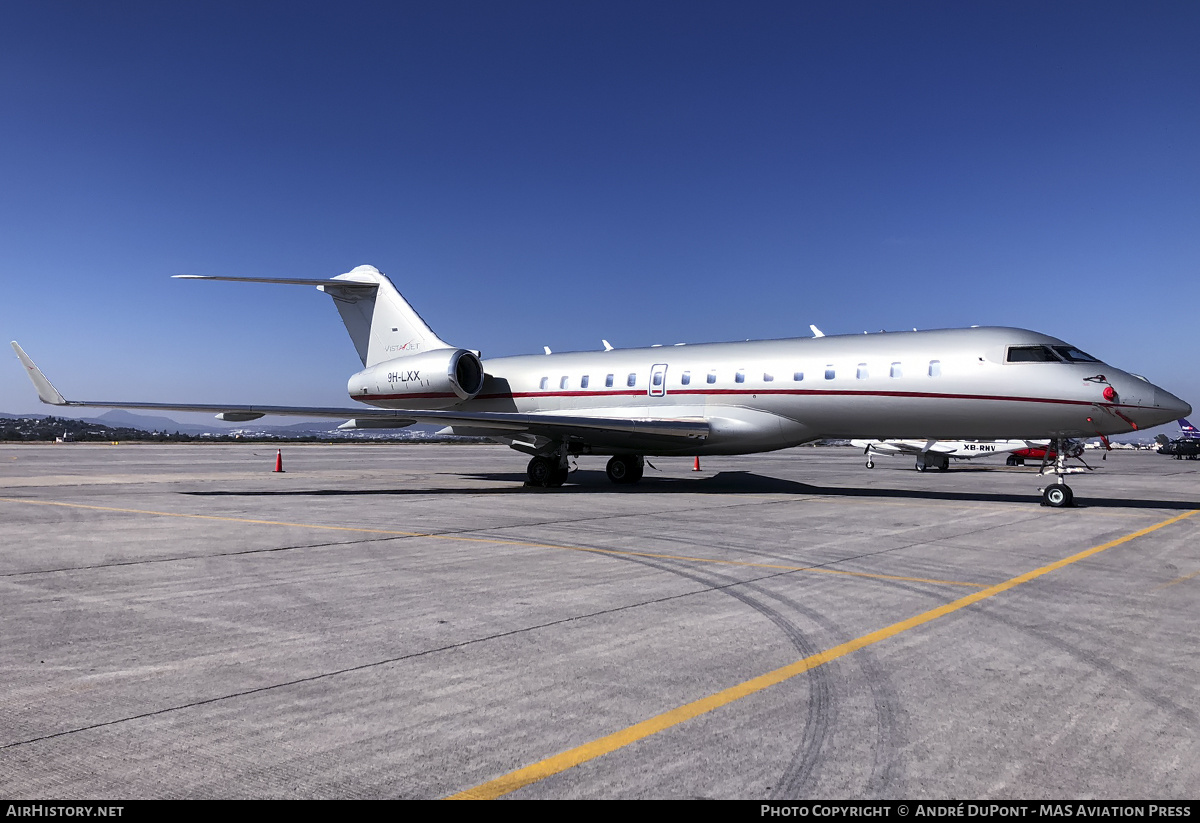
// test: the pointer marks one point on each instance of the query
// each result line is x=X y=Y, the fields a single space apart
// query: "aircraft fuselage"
x=774 y=394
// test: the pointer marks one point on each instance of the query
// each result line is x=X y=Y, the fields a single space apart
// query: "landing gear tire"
x=870 y=465
x=1013 y=460
x=1058 y=496
x=624 y=469
x=545 y=473
x=933 y=461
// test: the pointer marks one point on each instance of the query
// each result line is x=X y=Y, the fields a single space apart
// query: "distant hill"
x=119 y=424
x=156 y=423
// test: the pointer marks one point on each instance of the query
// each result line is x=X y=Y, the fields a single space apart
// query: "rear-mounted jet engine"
x=430 y=380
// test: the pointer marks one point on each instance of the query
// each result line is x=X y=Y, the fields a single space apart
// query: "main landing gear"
x=1058 y=495
x=546 y=472
x=550 y=471
x=625 y=469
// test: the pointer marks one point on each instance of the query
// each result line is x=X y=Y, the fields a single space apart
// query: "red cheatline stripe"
x=793 y=392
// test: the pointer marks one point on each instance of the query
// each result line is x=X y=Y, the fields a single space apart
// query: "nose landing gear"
x=1058 y=495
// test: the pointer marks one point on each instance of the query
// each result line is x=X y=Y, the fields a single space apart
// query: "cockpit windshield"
x=1048 y=354
x=1032 y=354
x=1074 y=355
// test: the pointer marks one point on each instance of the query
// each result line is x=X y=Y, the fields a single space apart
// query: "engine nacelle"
x=430 y=380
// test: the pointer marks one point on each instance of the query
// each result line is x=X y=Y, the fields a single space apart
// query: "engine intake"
x=430 y=380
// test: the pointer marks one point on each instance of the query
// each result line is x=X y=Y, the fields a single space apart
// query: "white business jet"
x=713 y=398
x=936 y=454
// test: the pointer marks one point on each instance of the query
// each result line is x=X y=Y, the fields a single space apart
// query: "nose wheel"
x=1058 y=496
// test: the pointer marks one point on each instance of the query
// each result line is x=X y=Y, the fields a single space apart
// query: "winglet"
x=46 y=392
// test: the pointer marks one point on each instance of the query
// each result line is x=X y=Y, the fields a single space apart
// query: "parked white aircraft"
x=713 y=398
x=936 y=454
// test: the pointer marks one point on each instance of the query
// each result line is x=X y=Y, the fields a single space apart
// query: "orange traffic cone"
x=279 y=460
x=696 y=466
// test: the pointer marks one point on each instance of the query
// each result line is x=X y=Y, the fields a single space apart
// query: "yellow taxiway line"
x=589 y=751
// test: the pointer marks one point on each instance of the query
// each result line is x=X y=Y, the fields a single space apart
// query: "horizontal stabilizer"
x=287 y=281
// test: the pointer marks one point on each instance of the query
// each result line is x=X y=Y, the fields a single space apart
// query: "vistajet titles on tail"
x=983 y=383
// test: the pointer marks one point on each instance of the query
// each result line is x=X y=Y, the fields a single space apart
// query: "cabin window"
x=830 y=372
x=632 y=380
x=583 y=381
x=767 y=377
x=657 y=378
x=740 y=377
x=562 y=384
x=935 y=368
x=712 y=376
x=896 y=371
x=608 y=381
x=862 y=373
x=685 y=379
x=798 y=376
x=545 y=382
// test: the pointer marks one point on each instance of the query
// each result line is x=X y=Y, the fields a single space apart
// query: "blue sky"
x=549 y=173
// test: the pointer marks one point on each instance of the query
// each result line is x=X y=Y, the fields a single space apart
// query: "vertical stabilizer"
x=380 y=321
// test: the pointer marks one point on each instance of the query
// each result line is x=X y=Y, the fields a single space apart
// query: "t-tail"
x=380 y=321
x=386 y=329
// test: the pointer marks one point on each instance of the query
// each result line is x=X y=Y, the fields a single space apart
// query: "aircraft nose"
x=1171 y=404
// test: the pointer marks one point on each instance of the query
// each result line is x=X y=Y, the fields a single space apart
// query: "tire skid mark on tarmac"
x=464 y=536
x=708 y=588
x=563 y=761
x=801 y=774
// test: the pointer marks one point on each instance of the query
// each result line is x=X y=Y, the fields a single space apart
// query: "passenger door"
x=658 y=380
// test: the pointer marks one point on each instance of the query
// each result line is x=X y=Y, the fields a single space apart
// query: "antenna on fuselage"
x=816 y=332
x=607 y=345
x=547 y=348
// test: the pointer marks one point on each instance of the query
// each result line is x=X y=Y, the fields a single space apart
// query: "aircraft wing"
x=903 y=446
x=604 y=431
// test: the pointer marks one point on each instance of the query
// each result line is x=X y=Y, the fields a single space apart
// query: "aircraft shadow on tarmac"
x=733 y=482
